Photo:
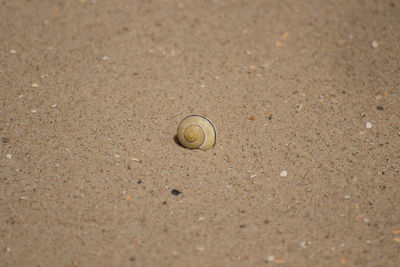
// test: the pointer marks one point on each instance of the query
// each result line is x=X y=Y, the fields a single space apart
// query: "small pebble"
x=346 y=196
x=7 y=249
x=9 y=156
x=175 y=192
x=270 y=258
x=12 y=51
x=283 y=173
x=379 y=108
x=34 y=110
x=54 y=105
x=368 y=125
x=34 y=85
x=374 y=44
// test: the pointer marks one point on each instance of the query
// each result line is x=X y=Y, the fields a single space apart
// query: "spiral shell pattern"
x=196 y=131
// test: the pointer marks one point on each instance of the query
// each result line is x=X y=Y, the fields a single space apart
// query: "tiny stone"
x=9 y=156
x=5 y=140
x=104 y=58
x=283 y=173
x=12 y=51
x=346 y=196
x=379 y=108
x=270 y=258
x=368 y=125
x=374 y=44
x=7 y=249
x=34 y=110
x=34 y=85
x=175 y=192
x=54 y=105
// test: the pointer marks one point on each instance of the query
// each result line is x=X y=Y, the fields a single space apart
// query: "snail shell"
x=197 y=132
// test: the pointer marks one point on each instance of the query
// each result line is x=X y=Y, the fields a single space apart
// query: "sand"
x=305 y=98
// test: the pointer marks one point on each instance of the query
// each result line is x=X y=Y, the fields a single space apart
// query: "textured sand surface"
x=305 y=96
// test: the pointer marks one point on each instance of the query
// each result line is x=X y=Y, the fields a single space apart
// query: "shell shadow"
x=176 y=140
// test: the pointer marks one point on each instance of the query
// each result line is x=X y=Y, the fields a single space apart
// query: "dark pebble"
x=175 y=192
x=5 y=140
x=139 y=182
x=379 y=108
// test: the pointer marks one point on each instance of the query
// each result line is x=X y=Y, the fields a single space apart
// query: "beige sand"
x=92 y=93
